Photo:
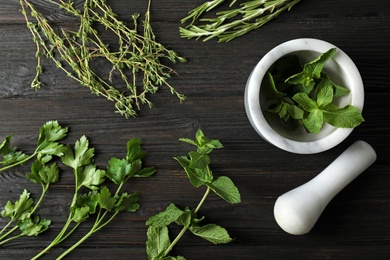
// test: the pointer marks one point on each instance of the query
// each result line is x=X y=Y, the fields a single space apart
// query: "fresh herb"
x=233 y=22
x=308 y=95
x=76 y=51
x=20 y=212
x=99 y=201
x=196 y=165
x=92 y=196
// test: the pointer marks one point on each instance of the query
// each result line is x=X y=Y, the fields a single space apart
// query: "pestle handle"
x=345 y=168
x=297 y=210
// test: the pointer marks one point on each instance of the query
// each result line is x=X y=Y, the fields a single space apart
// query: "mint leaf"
x=212 y=233
x=325 y=96
x=313 y=123
x=225 y=188
x=187 y=218
x=203 y=144
x=273 y=86
x=158 y=242
x=197 y=176
x=294 y=111
x=305 y=102
x=314 y=68
x=346 y=117
x=198 y=160
x=166 y=217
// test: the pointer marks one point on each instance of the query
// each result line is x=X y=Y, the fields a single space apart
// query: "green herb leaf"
x=313 y=123
x=19 y=210
x=197 y=176
x=225 y=188
x=166 y=217
x=325 y=96
x=314 y=68
x=158 y=242
x=134 y=150
x=105 y=200
x=43 y=174
x=5 y=145
x=33 y=227
x=118 y=170
x=80 y=214
x=273 y=86
x=204 y=145
x=89 y=199
x=212 y=233
x=10 y=154
x=89 y=177
x=50 y=132
x=305 y=102
x=82 y=156
x=198 y=160
x=127 y=202
x=346 y=117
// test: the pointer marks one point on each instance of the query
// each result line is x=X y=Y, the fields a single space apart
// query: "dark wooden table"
x=355 y=225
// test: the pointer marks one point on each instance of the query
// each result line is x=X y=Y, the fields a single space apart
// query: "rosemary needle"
x=137 y=54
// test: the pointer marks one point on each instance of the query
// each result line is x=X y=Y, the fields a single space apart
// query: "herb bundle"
x=21 y=212
x=75 y=51
x=233 y=22
x=197 y=167
x=92 y=196
x=307 y=94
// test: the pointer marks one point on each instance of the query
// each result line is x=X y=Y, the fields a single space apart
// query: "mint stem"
x=184 y=229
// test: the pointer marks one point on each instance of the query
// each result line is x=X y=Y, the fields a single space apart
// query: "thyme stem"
x=138 y=55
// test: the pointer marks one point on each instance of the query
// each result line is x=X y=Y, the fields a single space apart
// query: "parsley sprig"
x=20 y=212
x=308 y=95
x=99 y=201
x=92 y=197
x=197 y=167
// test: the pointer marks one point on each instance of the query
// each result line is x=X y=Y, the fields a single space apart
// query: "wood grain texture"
x=355 y=225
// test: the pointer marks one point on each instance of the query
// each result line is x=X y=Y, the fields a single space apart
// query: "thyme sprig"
x=234 y=22
x=75 y=51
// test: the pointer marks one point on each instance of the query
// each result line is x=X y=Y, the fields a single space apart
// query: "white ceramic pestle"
x=297 y=211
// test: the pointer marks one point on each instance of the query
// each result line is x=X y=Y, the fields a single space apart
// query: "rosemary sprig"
x=74 y=51
x=234 y=22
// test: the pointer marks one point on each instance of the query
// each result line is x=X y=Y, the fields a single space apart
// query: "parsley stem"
x=18 y=162
x=11 y=238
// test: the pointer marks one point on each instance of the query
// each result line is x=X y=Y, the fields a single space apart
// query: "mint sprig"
x=308 y=96
x=197 y=167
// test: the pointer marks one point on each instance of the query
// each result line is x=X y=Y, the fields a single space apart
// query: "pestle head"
x=296 y=214
x=297 y=211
